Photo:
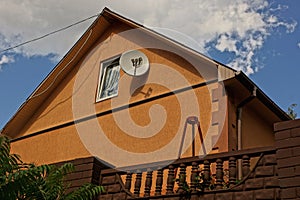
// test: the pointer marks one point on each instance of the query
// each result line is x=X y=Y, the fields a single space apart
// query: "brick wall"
x=114 y=188
x=287 y=136
x=260 y=183
x=86 y=170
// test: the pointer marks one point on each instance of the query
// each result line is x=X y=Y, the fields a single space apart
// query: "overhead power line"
x=48 y=34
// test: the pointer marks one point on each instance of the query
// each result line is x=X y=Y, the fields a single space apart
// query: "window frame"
x=103 y=67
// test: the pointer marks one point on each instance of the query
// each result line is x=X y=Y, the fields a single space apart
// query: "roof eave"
x=250 y=85
x=11 y=131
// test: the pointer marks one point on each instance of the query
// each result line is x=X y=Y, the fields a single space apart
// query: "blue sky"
x=260 y=37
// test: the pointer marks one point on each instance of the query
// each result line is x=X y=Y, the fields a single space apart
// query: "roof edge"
x=249 y=84
x=36 y=90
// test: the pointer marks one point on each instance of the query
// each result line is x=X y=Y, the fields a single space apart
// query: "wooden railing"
x=187 y=175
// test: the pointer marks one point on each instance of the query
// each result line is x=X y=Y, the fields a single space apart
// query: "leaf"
x=20 y=180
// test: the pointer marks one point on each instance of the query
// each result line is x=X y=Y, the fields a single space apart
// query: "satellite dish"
x=134 y=63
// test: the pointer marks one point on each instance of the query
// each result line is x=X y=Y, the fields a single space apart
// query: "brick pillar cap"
x=286 y=125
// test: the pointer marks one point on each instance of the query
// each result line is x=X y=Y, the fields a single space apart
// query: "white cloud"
x=24 y=20
x=238 y=26
x=226 y=43
x=6 y=60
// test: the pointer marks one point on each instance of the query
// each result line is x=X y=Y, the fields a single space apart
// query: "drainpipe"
x=239 y=126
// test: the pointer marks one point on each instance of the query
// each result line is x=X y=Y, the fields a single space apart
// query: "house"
x=182 y=105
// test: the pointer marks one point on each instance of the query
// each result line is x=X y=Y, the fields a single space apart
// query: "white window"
x=108 y=79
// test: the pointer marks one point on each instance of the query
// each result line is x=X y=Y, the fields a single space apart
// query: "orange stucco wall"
x=256 y=122
x=146 y=126
x=257 y=131
x=50 y=147
x=74 y=99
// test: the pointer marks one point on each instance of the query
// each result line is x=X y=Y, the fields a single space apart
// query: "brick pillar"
x=287 y=136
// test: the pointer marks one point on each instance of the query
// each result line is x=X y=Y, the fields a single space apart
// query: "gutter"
x=248 y=83
x=239 y=111
x=239 y=115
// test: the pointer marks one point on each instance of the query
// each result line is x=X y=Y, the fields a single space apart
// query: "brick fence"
x=275 y=173
x=287 y=135
x=259 y=181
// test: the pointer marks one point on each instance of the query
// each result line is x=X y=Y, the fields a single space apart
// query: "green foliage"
x=201 y=183
x=21 y=181
x=291 y=111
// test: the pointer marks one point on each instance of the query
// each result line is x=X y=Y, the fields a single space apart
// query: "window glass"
x=109 y=80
